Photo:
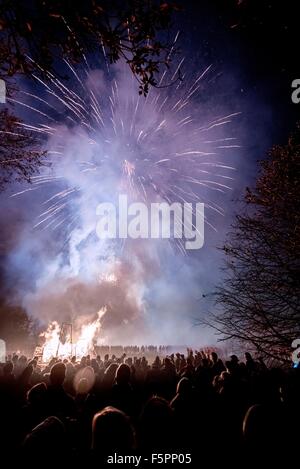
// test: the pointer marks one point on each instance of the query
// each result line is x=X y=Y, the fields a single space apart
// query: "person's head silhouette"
x=112 y=431
x=57 y=374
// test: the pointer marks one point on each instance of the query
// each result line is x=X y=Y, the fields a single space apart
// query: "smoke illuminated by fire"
x=103 y=139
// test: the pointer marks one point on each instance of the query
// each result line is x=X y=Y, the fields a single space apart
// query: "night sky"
x=252 y=46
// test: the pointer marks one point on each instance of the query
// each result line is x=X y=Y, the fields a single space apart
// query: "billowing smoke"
x=104 y=139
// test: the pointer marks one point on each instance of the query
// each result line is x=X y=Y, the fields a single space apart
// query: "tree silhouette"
x=258 y=302
x=48 y=30
x=20 y=153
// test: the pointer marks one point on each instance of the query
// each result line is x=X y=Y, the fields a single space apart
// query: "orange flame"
x=53 y=346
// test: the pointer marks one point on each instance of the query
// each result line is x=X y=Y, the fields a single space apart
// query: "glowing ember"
x=58 y=346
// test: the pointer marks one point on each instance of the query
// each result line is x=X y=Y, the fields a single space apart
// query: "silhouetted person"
x=250 y=363
x=109 y=375
x=47 y=437
x=122 y=396
x=183 y=400
x=233 y=364
x=7 y=380
x=60 y=403
x=217 y=366
x=8 y=405
x=112 y=432
x=23 y=383
x=156 y=429
x=35 y=410
x=186 y=412
x=264 y=432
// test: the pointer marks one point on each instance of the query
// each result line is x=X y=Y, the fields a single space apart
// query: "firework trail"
x=153 y=147
x=104 y=139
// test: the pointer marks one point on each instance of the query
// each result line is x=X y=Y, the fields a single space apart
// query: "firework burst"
x=153 y=148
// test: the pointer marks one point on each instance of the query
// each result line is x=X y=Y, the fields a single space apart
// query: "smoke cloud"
x=152 y=292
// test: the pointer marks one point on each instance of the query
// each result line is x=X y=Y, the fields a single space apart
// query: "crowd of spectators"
x=193 y=402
